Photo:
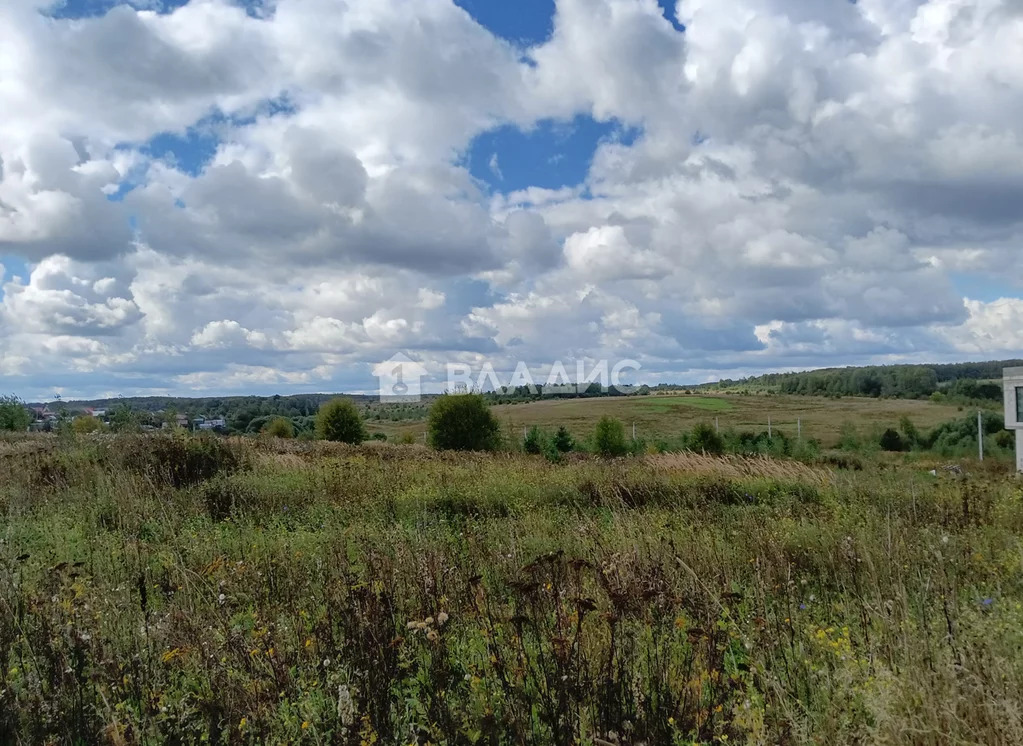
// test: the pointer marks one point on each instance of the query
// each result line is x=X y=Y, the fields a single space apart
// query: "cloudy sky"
x=218 y=197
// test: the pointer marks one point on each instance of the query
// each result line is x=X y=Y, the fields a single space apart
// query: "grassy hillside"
x=196 y=590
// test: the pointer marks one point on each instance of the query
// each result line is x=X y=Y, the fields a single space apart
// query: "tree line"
x=959 y=381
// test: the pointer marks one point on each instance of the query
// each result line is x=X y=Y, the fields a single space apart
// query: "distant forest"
x=966 y=381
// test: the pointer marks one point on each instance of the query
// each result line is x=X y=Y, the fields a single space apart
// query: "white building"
x=1012 y=385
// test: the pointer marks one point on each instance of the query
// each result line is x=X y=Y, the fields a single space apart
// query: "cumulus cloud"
x=803 y=184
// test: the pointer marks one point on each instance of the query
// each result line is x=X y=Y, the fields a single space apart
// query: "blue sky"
x=367 y=151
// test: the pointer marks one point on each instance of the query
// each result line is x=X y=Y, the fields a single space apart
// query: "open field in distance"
x=669 y=415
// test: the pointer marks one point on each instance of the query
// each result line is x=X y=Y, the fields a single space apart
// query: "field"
x=665 y=416
x=191 y=590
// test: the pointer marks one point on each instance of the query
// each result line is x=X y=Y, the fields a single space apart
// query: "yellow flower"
x=242 y=723
x=305 y=724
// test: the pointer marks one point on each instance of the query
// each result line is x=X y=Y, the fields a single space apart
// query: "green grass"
x=284 y=592
x=667 y=404
x=662 y=416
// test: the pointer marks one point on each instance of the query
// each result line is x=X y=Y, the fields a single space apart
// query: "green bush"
x=14 y=416
x=705 y=438
x=563 y=440
x=891 y=441
x=463 y=422
x=534 y=441
x=179 y=460
x=609 y=438
x=279 y=427
x=339 y=420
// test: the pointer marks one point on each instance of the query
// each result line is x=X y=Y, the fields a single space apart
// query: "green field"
x=192 y=590
x=666 y=416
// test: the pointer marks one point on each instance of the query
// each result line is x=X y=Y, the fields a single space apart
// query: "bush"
x=339 y=420
x=563 y=440
x=706 y=439
x=463 y=422
x=178 y=460
x=13 y=414
x=279 y=427
x=609 y=438
x=86 y=424
x=891 y=441
x=534 y=441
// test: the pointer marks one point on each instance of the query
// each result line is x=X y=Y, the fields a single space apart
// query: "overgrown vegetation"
x=463 y=422
x=14 y=417
x=340 y=421
x=278 y=591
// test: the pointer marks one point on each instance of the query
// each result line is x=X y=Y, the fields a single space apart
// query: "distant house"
x=44 y=414
x=99 y=413
x=211 y=423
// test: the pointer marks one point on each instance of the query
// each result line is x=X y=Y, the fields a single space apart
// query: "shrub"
x=378 y=436
x=86 y=424
x=563 y=440
x=463 y=422
x=706 y=439
x=891 y=441
x=609 y=438
x=339 y=420
x=13 y=414
x=534 y=441
x=178 y=460
x=279 y=427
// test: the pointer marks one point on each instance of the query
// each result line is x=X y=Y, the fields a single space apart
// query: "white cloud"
x=807 y=182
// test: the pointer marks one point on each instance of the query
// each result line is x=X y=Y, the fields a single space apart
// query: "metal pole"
x=980 y=435
x=717 y=425
x=633 y=430
x=770 y=434
x=799 y=429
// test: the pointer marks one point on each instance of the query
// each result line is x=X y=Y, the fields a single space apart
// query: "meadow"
x=667 y=415
x=184 y=589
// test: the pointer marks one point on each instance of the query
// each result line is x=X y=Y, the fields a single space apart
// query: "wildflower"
x=221 y=598
x=242 y=723
x=432 y=635
x=442 y=618
x=988 y=601
x=305 y=724
x=429 y=620
x=345 y=706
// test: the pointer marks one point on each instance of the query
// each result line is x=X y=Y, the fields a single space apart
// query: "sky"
x=211 y=197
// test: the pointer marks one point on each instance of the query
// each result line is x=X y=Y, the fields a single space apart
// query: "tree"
x=706 y=439
x=609 y=438
x=124 y=419
x=563 y=440
x=535 y=440
x=86 y=424
x=279 y=427
x=13 y=414
x=891 y=440
x=463 y=422
x=339 y=420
